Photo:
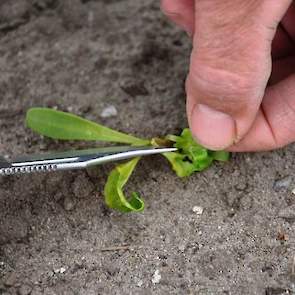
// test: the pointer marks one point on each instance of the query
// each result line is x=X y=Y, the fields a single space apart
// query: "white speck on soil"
x=108 y=112
x=293 y=191
x=156 y=277
x=181 y=248
x=139 y=283
x=70 y=109
x=198 y=210
x=61 y=270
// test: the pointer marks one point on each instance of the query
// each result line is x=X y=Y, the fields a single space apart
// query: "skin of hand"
x=241 y=83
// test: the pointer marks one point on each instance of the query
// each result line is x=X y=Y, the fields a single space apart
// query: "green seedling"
x=191 y=157
x=114 y=196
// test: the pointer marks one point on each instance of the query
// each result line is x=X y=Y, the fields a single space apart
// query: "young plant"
x=190 y=157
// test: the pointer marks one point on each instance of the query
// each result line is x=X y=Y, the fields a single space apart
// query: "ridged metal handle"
x=27 y=169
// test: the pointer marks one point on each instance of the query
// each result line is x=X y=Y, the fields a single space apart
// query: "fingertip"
x=211 y=128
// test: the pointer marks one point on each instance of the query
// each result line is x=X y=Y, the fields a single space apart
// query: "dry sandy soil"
x=55 y=230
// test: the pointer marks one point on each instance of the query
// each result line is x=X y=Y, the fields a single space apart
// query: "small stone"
x=61 y=270
x=10 y=280
x=69 y=203
x=282 y=184
x=70 y=109
x=156 y=277
x=24 y=290
x=139 y=283
x=293 y=191
x=109 y=111
x=198 y=210
x=181 y=248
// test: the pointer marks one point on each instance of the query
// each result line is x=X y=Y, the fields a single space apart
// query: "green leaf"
x=192 y=157
x=181 y=167
x=113 y=191
x=66 y=126
x=222 y=156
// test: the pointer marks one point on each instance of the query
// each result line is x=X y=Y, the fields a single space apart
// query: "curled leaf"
x=192 y=157
x=113 y=191
x=66 y=126
x=179 y=164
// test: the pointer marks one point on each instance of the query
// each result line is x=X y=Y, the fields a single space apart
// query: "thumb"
x=230 y=66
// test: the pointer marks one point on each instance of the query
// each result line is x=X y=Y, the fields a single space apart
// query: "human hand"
x=241 y=83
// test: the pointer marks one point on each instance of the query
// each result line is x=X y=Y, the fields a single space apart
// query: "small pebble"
x=108 y=112
x=198 y=210
x=156 y=277
x=60 y=270
x=181 y=248
x=282 y=184
x=24 y=290
x=70 y=109
x=139 y=283
x=293 y=191
x=69 y=203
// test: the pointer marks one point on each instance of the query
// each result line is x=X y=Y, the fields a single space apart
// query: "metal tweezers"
x=76 y=159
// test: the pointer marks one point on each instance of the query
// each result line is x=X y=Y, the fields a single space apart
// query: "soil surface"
x=56 y=234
